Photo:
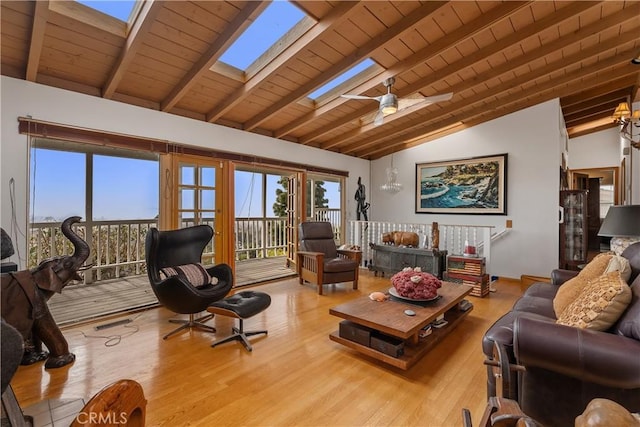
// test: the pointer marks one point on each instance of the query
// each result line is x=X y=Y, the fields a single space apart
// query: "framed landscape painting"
x=476 y=185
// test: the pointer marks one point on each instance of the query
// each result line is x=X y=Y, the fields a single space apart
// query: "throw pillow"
x=569 y=290
x=621 y=264
x=599 y=305
x=195 y=274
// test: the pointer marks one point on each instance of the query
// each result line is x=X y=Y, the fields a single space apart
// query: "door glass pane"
x=207 y=177
x=207 y=199
x=187 y=199
x=187 y=175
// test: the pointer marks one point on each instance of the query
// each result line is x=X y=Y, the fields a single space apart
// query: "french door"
x=194 y=192
x=295 y=213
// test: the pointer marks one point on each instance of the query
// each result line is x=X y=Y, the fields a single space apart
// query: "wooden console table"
x=391 y=259
x=388 y=318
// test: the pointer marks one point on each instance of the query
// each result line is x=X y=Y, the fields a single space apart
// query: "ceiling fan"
x=390 y=104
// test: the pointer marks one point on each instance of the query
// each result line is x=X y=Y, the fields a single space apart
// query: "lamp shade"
x=622 y=111
x=621 y=221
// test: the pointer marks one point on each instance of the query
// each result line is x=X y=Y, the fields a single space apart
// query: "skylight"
x=120 y=9
x=274 y=22
x=353 y=71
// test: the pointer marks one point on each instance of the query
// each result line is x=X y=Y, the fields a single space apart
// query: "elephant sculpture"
x=24 y=301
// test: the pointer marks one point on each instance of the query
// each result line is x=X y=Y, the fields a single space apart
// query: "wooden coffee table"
x=388 y=318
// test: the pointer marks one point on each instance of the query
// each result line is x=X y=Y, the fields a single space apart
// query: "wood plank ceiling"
x=496 y=57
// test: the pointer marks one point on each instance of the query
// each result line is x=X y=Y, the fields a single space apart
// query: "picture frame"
x=475 y=185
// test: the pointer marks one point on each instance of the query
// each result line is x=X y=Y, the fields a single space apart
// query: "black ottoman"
x=242 y=305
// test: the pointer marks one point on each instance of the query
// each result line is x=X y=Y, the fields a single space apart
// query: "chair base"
x=192 y=323
x=240 y=335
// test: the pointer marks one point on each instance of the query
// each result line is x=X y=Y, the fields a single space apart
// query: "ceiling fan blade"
x=438 y=98
x=377 y=98
x=426 y=100
x=379 y=119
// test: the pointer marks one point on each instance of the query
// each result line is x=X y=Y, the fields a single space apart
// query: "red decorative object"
x=415 y=284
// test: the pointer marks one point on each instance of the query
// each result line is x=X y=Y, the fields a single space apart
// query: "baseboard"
x=527 y=280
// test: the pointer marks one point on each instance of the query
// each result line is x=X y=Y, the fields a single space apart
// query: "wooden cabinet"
x=573 y=229
x=391 y=259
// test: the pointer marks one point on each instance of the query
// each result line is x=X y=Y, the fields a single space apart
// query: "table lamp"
x=622 y=224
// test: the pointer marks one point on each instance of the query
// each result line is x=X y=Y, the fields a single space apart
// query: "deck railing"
x=117 y=247
x=452 y=237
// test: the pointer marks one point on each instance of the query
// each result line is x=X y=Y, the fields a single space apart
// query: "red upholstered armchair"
x=320 y=262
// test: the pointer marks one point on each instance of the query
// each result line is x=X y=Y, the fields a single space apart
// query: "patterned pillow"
x=195 y=274
x=599 y=305
x=569 y=290
x=621 y=264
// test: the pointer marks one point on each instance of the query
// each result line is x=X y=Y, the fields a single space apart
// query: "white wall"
x=596 y=150
x=606 y=149
x=21 y=98
x=531 y=138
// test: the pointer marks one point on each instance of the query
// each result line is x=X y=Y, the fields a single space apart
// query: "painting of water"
x=471 y=186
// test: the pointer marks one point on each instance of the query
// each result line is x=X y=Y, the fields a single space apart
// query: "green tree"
x=318 y=196
x=280 y=205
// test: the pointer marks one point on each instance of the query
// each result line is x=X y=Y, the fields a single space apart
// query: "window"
x=353 y=71
x=120 y=9
x=57 y=192
x=273 y=23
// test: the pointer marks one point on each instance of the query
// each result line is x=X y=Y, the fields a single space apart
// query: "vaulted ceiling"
x=496 y=58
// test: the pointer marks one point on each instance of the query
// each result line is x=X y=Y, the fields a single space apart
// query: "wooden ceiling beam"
x=362 y=52
x=569 y=83
x=40 y=17
x=429 y=52
x=593 y=113
x=508 y=66
x=517 y=37
x=329 y=22
x=140 y=28
x=246 y=16
x=589 y=118
x=582 y=132
x=617 y=96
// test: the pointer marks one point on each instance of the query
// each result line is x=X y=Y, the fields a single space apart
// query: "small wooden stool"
x=242 y=305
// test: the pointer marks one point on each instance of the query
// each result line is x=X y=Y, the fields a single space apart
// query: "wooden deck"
x=82 y=303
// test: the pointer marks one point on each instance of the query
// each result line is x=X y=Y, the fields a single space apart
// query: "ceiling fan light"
x=389 y=104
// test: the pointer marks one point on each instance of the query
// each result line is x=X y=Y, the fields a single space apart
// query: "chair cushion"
x=570 y=289
x=599 y=305
x=244 y=304
x=326 y=246
x=339 y=265
x=195 y=274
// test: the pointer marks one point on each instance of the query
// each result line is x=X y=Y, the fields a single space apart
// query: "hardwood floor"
x=295 y=376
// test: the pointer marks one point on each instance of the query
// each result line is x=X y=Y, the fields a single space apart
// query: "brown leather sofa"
x=562 y=368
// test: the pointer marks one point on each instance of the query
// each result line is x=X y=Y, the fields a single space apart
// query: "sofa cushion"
x=542 y=289
x=570 y=289
x=629 y=323
x=599 y=305
x=536 y=304
x=195 y=274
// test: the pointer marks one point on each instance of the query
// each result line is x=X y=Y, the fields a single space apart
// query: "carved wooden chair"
x=320 y=262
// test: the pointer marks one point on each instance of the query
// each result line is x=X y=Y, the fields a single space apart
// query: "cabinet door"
x=573 y=231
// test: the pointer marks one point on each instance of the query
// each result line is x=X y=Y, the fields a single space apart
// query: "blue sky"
x=127 y=188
